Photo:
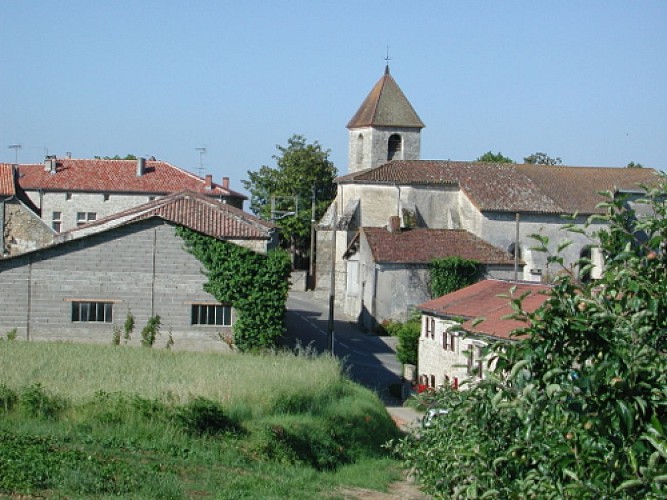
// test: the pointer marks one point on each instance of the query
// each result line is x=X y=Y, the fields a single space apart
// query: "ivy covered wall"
x=255 y=285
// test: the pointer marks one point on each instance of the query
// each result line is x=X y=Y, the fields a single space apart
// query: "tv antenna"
x=202 y=152
x=16 y=148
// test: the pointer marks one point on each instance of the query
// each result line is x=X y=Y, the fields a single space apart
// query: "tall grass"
x=78 y=371
x=88 y=421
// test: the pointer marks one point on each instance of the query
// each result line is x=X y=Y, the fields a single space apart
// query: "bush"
x=8 y=398
x=408 y=339
x=37 y=402
x=577 y=407
x=204 y=417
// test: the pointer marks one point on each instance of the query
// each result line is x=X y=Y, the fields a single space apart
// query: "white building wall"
x=369 y=146
x=438 y=364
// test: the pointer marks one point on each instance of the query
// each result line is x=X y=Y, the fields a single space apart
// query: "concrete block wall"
x=142 y=268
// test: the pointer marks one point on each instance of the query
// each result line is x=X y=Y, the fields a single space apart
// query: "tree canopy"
x=498 y=157
x=576 y=405
x=632 y=164
x=284 y=193
x=542 y=159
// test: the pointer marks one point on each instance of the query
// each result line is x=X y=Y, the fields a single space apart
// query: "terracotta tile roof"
x=119 y=176
x=7 y=187
x=386 y=106
x=482 y=300
x=193 y=210
x=506 y=187
x=421 y=246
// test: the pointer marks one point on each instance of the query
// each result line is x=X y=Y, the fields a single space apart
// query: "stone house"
x=388 y=274
x=450 y=357
x=22 y=229
x=83 y=286
x=502 y=204
x=71 y=192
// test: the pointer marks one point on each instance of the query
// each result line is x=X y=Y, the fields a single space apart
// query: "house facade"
x=502 y=204
x=387 y=270
x=82 y=287
x=449 y=356
x=71 y=192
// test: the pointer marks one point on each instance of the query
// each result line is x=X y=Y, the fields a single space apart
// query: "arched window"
x=360 y=149
x=395 y=147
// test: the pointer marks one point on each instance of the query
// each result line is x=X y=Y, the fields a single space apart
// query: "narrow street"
x=369 y=359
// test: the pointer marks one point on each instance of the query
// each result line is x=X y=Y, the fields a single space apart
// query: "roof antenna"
x=16 y=148
x=202 y=151
x=387 y=59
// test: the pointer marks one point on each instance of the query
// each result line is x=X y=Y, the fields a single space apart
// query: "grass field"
x=84 y=421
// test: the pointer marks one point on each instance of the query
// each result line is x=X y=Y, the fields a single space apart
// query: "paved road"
x=370 y=360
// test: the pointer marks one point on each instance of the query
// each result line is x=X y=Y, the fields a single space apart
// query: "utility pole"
x=332 y=291
x=311 y=261
x=516 y=248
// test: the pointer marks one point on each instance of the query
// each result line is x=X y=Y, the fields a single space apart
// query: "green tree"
x=576 y=406
x=285 y=193
x=542 y=159
x=498 y=157
x=117 y=157
x=632 y=164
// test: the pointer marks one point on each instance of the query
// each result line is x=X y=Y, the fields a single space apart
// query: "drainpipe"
x=516 y=249
x=27 y=322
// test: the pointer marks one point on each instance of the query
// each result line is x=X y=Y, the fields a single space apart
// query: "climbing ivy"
x=255 y=285
x=453 y=273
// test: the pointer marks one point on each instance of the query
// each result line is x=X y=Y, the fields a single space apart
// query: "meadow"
x=84 y=421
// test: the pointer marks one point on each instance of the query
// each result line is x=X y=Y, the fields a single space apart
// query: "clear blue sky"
x=583 y=80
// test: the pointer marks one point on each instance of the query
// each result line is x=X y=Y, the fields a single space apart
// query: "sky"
x=583 y=80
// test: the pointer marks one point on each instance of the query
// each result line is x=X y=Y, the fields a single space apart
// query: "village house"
x=22 y=229
x=84 y=285
x=71 y=192
x=501 y=204
x=399 y=259
x=448 y=356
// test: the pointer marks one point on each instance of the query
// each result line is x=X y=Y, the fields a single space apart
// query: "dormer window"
x=395 y=146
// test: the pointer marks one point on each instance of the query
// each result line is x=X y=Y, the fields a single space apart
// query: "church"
x=394 y=213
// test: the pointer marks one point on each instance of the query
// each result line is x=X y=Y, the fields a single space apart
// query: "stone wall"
x=23 y=229
x=141 y=267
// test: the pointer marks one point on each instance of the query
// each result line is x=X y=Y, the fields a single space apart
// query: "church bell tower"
x=385 y=127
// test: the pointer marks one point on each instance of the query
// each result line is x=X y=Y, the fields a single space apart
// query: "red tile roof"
x=193 y=210
x=421 y=246
x=7 y=187
x=482 y=300
x=507 y=187
x=118 y=176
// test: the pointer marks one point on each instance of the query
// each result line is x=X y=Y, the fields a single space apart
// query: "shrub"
x=453 y=273
x=202 y=416
x=150 y=331
x=37 y=402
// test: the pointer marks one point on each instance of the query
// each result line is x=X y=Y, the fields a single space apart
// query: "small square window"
x=106 y=196
x=68 y=196
x=85 y=217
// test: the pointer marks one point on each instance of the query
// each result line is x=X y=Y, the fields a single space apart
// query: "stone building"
x=502 y=204
x=450 y=357
x=83 y=286
x=71 y=192
x=22 y=229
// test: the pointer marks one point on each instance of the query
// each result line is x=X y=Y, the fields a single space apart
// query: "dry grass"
x=78 y=371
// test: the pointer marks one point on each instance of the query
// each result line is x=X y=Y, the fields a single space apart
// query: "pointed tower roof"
x=386 y=106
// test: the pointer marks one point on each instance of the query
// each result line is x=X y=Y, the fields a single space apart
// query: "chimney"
x=50 y=164
x=68 y=155
x=208 y=184
x=394 y=224
x=141 y=166
x=225 y=182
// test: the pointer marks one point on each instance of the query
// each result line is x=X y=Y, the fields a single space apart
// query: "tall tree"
x=284 y=193
x=632 y=164
x=542 y=159
x=498 y=157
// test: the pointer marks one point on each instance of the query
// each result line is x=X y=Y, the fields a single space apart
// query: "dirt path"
x=401 y=490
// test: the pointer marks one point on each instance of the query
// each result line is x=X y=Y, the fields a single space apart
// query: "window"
x=68 y=196
x=97 y=312
x=475 y=360
x=427 y=329
x=56 y=221
x=151 y=198
x=211 y=314
x=394 y=147
x=106 y=196
x=432 y=381
x=85 y=217
x=432 y=328
x=448 y=341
